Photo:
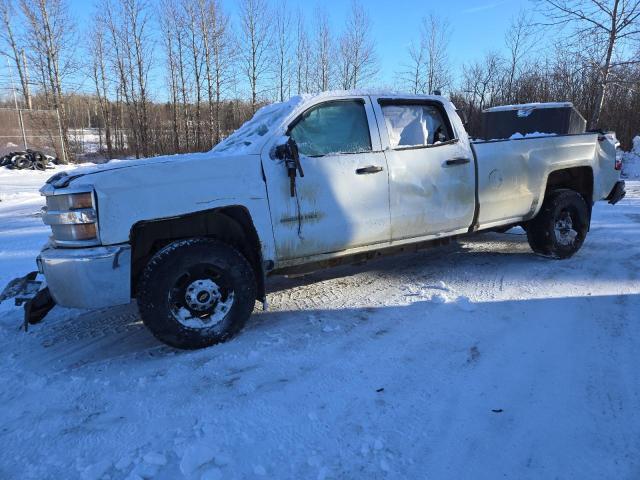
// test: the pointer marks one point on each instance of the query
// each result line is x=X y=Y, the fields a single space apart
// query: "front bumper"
x=93 y=277
x=617 y=193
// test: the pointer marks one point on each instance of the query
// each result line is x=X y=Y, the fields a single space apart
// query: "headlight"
x=72 y=201
x=73 y=219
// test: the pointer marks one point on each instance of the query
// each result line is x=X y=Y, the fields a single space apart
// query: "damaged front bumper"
x=617 y=193
x=93 y=277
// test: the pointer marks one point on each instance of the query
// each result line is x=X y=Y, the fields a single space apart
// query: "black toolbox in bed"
x=550 y=118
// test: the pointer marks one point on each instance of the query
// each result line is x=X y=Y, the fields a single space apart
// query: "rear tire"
x=561 y=226
x=197 y=292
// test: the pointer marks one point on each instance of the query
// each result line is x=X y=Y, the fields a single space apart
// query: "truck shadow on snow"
x=486 y=256
x=456 y=327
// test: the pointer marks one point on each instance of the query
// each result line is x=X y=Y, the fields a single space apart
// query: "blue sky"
x=477 y=25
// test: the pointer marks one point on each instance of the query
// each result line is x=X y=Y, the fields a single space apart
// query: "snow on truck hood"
x=63 y=178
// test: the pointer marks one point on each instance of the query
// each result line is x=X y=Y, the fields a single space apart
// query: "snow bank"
x=631 y=160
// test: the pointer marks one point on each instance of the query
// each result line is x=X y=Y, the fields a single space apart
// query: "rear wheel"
x=561 y=226
x=195 y=293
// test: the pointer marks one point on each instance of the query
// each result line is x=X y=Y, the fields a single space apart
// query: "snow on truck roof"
x=250 y=136
x=528 y=106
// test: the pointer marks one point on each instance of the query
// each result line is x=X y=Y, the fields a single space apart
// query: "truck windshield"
x=254 y=130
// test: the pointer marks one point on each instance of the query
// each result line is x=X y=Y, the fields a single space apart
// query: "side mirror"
x=289 y=153
x=281 y=151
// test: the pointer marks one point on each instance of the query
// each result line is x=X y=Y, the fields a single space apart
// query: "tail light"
x=618 y=165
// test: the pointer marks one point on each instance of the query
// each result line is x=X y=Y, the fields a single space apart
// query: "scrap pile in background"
x=28 y=160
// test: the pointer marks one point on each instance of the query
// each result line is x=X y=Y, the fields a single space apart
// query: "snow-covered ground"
x=474 y=361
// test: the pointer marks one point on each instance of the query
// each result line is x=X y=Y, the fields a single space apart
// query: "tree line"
x=170 y=76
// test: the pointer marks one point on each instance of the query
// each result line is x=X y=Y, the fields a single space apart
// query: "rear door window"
x=333 y=128
x=415 y=125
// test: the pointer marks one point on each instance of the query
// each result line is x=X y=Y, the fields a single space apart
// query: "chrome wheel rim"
x=201 y=297
x=565 y=233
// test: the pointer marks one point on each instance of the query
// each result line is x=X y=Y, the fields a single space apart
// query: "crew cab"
x=304 y=185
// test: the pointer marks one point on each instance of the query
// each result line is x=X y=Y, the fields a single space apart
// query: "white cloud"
x=482 y=8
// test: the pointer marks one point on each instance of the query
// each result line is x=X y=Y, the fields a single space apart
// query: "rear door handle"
x=369 y=169
x=457 y=161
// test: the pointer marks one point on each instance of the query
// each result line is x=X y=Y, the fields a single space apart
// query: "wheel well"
x=579 y=179
x=231 y=224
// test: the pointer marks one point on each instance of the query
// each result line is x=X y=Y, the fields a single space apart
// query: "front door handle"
x=457 y=161
x=369 y=169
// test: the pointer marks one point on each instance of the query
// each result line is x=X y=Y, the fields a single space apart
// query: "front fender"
x=128 y=196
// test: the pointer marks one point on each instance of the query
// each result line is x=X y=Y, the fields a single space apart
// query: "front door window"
x=333 y=128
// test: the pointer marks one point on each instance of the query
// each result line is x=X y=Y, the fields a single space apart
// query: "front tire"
x=197 y=292
x=561 y=226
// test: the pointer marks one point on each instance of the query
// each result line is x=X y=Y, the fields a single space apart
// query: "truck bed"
x=512 y=173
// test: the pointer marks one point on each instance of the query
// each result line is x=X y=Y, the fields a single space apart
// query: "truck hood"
x=132 y=191
x=78 y=175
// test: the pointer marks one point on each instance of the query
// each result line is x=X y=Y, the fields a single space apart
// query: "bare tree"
x=481 y=81
x=428 y=67
x=127 y=24
x=98 y=54
x=137 y=12
x=16 y=52
x=51 y=34
x=518 y=40
x=610 y=23
x=117 y=39
x=195 y=45
x=437 y=32
x=323 y=46
x=303 y=55
x=167 y=20
x=179 y=35
x=207 y=12
x=413 y=74
x=223 y=59
x=255 y=19
x=344 y=73
x=357 y=49
x=283 y=41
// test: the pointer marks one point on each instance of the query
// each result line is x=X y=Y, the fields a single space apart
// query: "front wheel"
x=196 y=292
x=561 y=226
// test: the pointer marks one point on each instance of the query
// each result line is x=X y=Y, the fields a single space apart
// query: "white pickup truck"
x=306 y=184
